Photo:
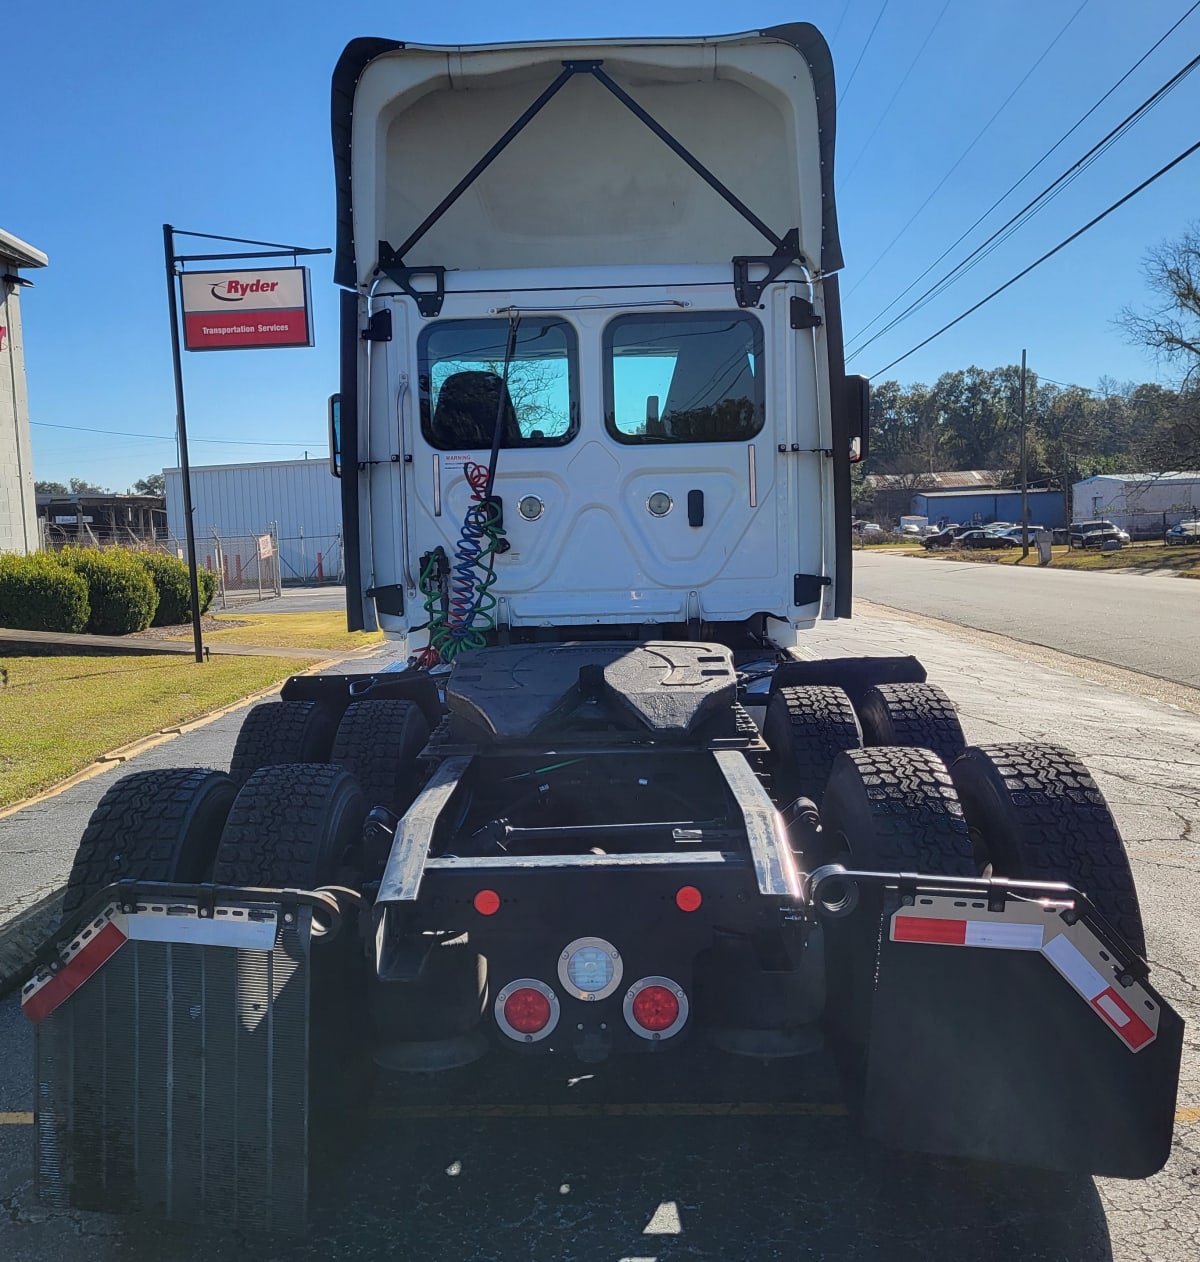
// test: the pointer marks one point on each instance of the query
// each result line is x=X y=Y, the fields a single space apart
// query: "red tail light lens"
x=527 y=1010
x=655 y=1008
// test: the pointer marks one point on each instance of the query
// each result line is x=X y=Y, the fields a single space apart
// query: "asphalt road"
x=1134 y=621
x=792 y=1179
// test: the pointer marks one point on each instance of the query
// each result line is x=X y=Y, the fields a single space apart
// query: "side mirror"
x=858 y=417
x=335 y=435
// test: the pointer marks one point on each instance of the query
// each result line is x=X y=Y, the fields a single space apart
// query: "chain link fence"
x=247 y=566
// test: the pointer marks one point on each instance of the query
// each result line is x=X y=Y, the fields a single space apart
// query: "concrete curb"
x=22 y=934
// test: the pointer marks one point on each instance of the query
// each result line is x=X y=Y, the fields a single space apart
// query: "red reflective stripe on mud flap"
x=1123 y=1019
x=927 y=929
x=92 y=956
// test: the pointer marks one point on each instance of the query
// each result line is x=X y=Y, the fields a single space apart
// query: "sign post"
x=232 y=310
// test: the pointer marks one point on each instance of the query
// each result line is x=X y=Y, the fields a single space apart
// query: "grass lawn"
x=1138 y=559
x=291 y=631
x=58 y=714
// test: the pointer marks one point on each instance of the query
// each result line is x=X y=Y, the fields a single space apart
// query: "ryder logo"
x=237 y=290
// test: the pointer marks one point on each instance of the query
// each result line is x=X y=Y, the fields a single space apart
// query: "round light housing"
x=590 y=969
x=527 y=1010
x=530 y=507
x=655 y=1008
x=660 y=504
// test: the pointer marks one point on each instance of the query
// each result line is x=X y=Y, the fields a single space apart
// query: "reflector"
x=487 y=902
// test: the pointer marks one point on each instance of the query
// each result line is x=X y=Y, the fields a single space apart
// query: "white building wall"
x=299 y=497
x=1137 y=504
x=18 y=512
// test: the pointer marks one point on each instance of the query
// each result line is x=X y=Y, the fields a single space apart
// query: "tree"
x=1172 y=329
x=50 y=488
x=80 y=486
x=155 y=484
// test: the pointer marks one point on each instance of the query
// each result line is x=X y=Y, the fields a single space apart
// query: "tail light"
x=655 y=1008
x=527 y=1010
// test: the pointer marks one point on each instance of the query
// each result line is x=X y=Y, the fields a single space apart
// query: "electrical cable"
x=1187 y=153
x=164 y=438
x=962 y=156
x=870 y=37
x=1031 y=208
x=1028 y=172
x=912 y=65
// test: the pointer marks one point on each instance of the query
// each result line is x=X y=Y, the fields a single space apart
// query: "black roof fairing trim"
x=811 y=45
x=802 y=36
x=351 y=64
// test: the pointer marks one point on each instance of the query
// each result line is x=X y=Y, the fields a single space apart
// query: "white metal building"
x=296 y=499
x=1144 y=504
x=18 y=513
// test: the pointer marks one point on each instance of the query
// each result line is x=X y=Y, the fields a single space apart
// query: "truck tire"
x=151 y=826
x=918 y=715
x=281 y=732
x=291 y=826
x=896 y=810
x=806 y=727
x=1038 y=814
x=887 y=809
x=378 y=743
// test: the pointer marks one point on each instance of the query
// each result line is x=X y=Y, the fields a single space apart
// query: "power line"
x=912 y=65
x=1017 y=183
x=170 y=438
x=841 y=22
x=1031 y=208
x=870 y=37
x=962 y=156
x=1187 y=153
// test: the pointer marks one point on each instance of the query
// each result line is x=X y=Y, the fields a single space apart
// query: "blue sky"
x=215 y=117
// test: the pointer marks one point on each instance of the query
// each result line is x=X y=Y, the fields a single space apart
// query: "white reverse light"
x=590 y=969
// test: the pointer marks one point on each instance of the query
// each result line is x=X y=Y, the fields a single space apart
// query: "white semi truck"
x=594 y=435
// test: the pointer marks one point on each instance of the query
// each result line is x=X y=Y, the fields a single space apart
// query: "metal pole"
x=1024 y=471
x=185 y=474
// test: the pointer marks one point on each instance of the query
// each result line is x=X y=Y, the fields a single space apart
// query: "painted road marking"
x=513 y=1111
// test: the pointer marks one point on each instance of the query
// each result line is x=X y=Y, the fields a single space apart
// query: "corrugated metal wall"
x=1045 y=507
x=299 y=496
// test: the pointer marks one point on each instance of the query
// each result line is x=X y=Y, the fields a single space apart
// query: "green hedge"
x=170 y=576
x=121 y=592
x=39 y=594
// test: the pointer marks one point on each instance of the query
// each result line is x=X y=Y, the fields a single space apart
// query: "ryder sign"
x=224 y=311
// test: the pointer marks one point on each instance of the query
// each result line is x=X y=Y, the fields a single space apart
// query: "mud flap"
x=1018 y=1034
x=172 y=1061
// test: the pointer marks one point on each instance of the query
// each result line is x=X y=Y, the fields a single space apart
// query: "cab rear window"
x=463 y=390
x=684 y=377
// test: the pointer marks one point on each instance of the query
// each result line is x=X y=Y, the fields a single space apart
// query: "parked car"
x=986 y=539
x=1078 y=529
x=946 y=537
x=868 y=530
x=1184 y=532
x=1101 y=537
x=1014 y=532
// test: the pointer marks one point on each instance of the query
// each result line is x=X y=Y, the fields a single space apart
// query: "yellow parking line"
x=433 y=1112
x=705 y=1109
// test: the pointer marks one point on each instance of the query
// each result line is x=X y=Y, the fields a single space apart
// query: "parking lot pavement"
x=684 y=1177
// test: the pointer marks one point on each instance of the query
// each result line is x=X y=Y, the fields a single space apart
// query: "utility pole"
x=1024 y=471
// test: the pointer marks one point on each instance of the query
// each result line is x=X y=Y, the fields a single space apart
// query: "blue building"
x=1046 y=508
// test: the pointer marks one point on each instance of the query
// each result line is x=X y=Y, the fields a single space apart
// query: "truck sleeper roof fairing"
x=756 y=110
